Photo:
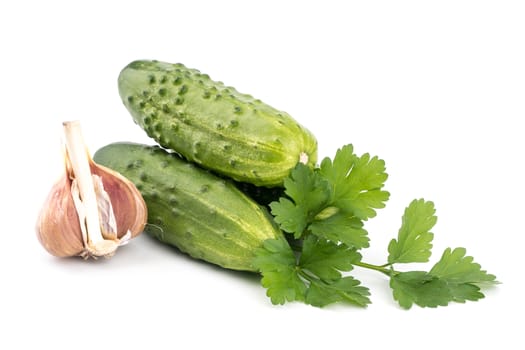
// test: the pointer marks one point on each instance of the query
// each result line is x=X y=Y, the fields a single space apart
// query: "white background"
x=435 y=88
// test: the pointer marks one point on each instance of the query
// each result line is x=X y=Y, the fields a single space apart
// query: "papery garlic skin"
x=91 y=210
x=119 y=189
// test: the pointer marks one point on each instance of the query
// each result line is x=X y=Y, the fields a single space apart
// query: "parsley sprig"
x=323 y=213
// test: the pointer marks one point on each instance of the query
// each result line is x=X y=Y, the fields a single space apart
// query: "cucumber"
x=201 y=214
x=213 y=125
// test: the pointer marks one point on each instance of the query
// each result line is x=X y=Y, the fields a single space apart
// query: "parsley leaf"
x=345 y=289
x=333 y=200
x=421 y=288
x=455 y=267
x=324 y=209
x=315 y=277
x=463 y=276
x=355 y=182
x=342 y=227
x=309 y=194
x=414 y=238
x=292 y=218
x=455 y=277
x=277 y=262
x=326 y=259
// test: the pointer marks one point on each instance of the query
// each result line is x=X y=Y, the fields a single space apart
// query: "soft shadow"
x=147 y=248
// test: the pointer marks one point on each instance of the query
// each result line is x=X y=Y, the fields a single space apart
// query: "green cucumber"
x=214 y=125
x=203 y=215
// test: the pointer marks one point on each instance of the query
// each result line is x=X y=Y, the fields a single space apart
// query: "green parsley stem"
x=380 y=268
x=307 y=276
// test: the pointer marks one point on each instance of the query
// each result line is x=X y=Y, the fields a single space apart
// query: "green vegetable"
x=213 y=125
x=323 y=213
x=334 y=200
x=321 y=209
x=455 y=277
x=314 y=278
x=414 y=238
x=191 y=208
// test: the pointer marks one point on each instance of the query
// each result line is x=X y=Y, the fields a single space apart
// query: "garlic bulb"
x=91 y=210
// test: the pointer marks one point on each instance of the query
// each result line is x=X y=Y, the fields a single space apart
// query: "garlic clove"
x=58 y=226
x=91 y=210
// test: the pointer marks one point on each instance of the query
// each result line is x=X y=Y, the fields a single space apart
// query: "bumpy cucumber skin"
x=214 y=125
x=190 y=208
